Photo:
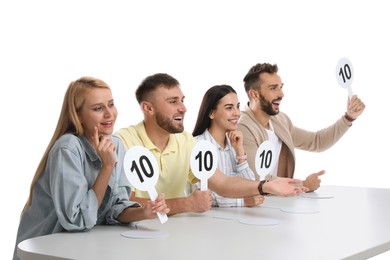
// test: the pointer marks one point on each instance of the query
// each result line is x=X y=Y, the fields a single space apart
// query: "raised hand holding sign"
x=142 y=171
x=203 y=162
x=344 y=74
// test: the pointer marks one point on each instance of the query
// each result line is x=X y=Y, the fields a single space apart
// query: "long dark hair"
x=209 y=103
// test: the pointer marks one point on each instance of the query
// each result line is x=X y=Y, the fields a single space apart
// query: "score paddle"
x=203 y=162
x=142 y=171
x=264 y=160
x=344 y=74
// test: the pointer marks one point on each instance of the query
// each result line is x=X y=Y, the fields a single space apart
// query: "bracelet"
x=350 y=119
x=260 y=188
x=241 y=157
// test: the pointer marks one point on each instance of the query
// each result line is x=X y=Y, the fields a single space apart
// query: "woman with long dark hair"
x=217 y=122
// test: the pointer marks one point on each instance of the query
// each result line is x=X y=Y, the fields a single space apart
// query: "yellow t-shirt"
x=174 y=161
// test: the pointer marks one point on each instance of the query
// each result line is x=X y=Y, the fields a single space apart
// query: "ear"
x=254 y=94
x=146 y=107
x=211 y=115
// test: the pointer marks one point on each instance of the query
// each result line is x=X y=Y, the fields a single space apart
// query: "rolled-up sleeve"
x=122 y=188
x=76 y=205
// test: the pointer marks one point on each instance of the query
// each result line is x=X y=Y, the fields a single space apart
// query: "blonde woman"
x=80 y=181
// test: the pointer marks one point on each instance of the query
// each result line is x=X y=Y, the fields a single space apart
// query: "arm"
x=198 y=201
x=283 y=187
x=105 y=148
x=251 y=201
x=323 y=139
x=236 y=187
x=251 y=145
x=232 y=186
x=224 y=202
x=148 y=211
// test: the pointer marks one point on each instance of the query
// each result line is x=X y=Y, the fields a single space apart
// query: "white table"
x=353 y=224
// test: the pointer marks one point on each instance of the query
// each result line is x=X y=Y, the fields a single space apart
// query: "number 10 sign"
x=265 y=161
x=203 y=161
x=142 y=171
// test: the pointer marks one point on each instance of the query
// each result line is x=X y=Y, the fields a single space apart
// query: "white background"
x=46 y=44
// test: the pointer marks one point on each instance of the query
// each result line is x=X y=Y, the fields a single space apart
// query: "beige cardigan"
x=291 y=136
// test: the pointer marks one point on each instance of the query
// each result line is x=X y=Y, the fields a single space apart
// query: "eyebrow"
x=174 y=98
x=102 y=103
x=275 y=85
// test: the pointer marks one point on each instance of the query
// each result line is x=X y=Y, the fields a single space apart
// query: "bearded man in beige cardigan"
x=262 y=120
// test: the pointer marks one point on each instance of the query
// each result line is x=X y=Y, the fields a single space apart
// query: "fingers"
x=234 y=135
x=102 y=142
x=253 y=201
x=296 y=191
x=294 y=181
x=107 y=143
x=159 y=204
x=302 y=189
x=355 y=105
x=319 y=173
x=95 y=138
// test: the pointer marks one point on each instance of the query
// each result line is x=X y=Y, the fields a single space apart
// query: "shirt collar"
x=89 y=150
x=171 y=145
x=212 y=140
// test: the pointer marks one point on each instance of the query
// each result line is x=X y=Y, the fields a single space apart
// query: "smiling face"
x=169 y=109
x=98 y=110
x=270 y=93
x=227 y=113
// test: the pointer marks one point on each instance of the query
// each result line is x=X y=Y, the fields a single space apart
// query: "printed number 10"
x=208 y=164
x=265 y=159
x=148 y=172
x=345 y=73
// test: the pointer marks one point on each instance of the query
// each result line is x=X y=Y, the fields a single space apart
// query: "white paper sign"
x=344 y=74
x=142 y=171
x=265 y=159
x=203 y=162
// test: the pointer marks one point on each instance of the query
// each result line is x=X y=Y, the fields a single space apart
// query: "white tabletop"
x=340 y=223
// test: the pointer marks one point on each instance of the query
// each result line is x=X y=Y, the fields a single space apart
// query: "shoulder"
x=183 y=140
x=184 y=137
x=127 y=131
x=247 y=118
x=281 y=118
x=69 y=141
x=131 y=135
x=202 y=136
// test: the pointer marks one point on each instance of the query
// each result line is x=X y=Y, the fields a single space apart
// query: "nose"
x=281 y=94
x=108 y=112
x=182 y=108
x=237 y=111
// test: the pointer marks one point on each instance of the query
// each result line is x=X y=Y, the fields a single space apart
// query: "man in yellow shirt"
x=162 y=132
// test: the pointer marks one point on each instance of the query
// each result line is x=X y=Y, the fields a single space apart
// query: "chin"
x=106 y=132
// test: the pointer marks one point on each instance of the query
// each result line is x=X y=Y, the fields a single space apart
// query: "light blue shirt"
x=227 y=164
x=63 y=198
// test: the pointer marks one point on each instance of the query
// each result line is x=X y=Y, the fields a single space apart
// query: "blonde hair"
x=68 y=121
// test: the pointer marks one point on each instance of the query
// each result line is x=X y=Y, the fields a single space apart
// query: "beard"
x=267 y=106
x=167 y=124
